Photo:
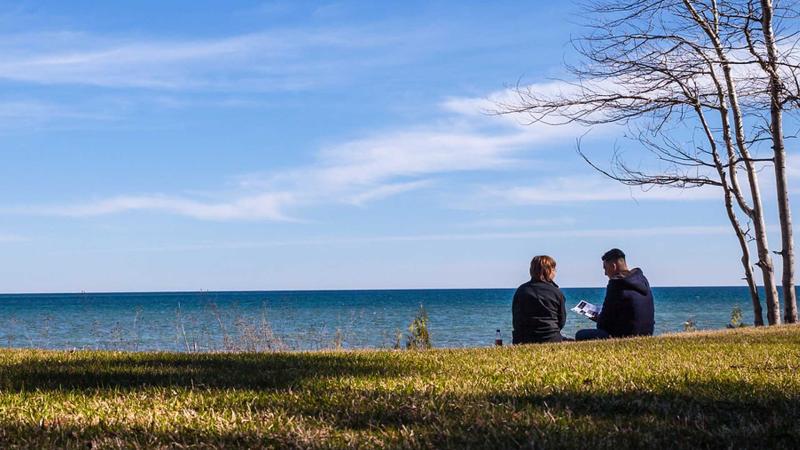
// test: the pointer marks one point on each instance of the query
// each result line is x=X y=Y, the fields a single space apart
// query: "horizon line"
x=208 y=291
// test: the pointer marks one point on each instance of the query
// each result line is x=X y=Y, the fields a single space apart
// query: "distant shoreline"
x=278 y=291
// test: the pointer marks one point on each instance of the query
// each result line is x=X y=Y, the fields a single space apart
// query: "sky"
x=247 y=145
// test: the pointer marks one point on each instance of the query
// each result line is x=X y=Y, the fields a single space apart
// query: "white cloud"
x=520 y=223
x=414 y=153
x=377 y=166
x=356 y=172
x=446 y=237
x=793 y=165
x=387 y=190
x=588 y=189
x=6 y=238
x=267 y=206
x=277 y=59
x=381 y=165
x=17 y=114
x=491 y=103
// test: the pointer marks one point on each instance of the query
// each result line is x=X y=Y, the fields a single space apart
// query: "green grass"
x=729 y=389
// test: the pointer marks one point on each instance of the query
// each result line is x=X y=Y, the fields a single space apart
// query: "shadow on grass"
x=726 y=400
x=715 y=414
x=698 y=415
x=267 y=371
x=18 y=435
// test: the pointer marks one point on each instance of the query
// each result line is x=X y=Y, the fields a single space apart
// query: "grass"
x=729 y=389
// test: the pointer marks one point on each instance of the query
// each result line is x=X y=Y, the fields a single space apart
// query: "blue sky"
x=312 y=145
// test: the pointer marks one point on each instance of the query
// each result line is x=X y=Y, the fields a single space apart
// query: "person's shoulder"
x=639 y=273
x=536 y=286
x=525 y=286
x=542 y=286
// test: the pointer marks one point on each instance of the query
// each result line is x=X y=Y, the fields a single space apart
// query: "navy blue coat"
x=628 y=306
x=539 y=313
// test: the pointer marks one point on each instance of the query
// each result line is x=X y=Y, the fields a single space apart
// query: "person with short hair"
x=628 y=306
x=539 y=309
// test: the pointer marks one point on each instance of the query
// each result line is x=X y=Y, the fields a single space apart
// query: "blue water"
x=302 y=320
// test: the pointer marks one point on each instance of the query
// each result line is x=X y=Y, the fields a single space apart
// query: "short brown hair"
x=543 y=268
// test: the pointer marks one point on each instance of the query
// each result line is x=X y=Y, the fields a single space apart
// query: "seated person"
x=539 y=311
x=628 y=306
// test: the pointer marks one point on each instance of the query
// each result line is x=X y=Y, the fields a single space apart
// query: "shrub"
x=736 y=318
x=419 y=337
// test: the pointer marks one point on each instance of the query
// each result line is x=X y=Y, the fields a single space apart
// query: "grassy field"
x=729 y=389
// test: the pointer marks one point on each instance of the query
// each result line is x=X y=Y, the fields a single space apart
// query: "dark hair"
x=543 y=268
x=613 y=255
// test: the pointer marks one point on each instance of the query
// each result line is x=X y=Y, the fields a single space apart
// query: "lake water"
x=210 y=321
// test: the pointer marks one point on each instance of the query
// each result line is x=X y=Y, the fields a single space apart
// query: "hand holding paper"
x=587 y=309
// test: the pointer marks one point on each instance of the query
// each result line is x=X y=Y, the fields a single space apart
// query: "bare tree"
x=780 y=95
x=667 y=68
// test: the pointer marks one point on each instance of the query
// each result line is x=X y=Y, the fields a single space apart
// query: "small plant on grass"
x=116 y=338
x=398 y=339
x=45 y=330
x=12 y=324
x=736 y=318
x=254 y=335
x=419 y=337
x=137 y=335
x=338 y=339
x=180 y=329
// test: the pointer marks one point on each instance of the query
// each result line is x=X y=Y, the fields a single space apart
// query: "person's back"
x=539 y=310
x=628 y=306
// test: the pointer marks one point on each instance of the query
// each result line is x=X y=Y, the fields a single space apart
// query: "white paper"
x=587 y=309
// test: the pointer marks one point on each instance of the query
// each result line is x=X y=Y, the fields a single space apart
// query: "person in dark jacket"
x=539 y=311
x=628 y=307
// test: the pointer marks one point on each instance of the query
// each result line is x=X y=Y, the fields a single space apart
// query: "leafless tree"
x=780 y=67
x=697 y=68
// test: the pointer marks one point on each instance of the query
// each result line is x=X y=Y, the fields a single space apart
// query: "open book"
x=587 y=309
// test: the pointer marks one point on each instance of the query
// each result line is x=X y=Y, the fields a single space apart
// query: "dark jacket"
x=628 y=306
x=539 y=313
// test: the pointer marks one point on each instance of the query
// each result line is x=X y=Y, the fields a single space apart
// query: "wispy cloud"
x=399 y=161
x=387 y=190
x=17 y=114
x=793 y=165
x=8 y=237
x=277 y=59
x=356 y=172
x=520 y=223
x=394 y=162
x=419 y=152
x=586 y=189
x=446 y=237
x=267 y=206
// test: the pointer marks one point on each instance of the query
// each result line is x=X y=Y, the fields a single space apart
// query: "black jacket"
x=628 y=306
x=539 y=313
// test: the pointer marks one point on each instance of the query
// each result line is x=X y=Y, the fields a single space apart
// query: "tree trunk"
x=764 y=258
x=756 y=212
x=758 y=317
x=779 y=150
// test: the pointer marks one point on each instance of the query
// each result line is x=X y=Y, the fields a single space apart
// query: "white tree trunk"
x=779 y=150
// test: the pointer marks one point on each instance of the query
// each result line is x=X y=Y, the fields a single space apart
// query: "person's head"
x=614 y=262
x=543 y=268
